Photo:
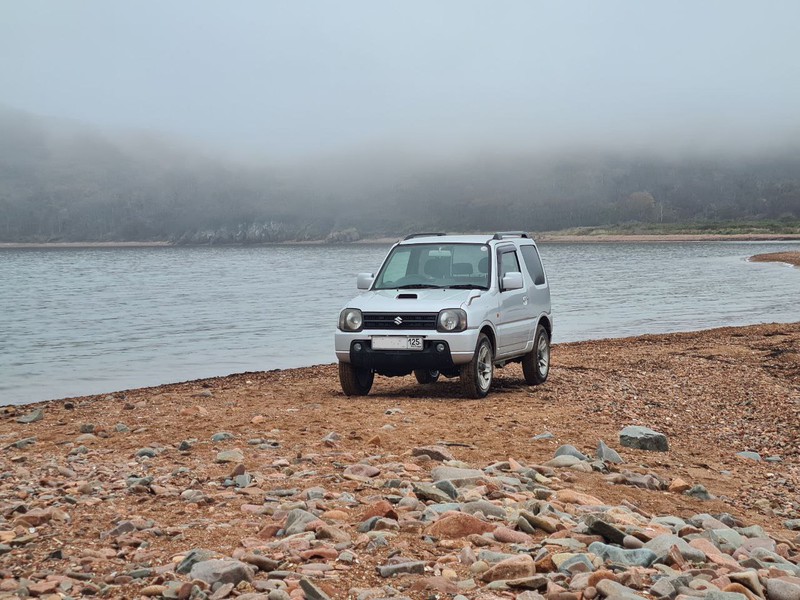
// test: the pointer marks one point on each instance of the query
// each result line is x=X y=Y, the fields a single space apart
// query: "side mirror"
x=364 y=280
x=512 y=281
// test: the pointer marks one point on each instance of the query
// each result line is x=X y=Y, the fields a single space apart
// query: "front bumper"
x=459 y=349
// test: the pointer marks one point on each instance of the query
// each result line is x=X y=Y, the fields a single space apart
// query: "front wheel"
x=536 y=363
x=476 y=375
x=426 y=375
x=355 y=381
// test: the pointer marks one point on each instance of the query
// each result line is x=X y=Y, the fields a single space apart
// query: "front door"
x=514 y=324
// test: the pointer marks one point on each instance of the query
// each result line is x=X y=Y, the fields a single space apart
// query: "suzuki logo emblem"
x=398 y=321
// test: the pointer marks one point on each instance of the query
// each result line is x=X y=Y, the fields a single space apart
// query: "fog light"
x=440 y=347
x=357 y=347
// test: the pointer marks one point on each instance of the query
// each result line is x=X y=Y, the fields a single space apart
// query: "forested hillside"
x=67 y=182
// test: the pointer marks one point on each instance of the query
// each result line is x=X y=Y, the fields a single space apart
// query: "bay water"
x=95 y=320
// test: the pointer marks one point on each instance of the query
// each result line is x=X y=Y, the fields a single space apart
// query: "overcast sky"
x=306 y=77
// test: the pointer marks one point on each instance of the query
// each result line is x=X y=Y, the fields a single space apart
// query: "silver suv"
x=451 y=305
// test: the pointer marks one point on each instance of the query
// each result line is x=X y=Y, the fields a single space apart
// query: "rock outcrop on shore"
x=267 y=486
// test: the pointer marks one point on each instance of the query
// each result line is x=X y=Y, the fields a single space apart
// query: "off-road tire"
x=426 y=375
x=477 y=374
x=355 y=381
x=536 y=363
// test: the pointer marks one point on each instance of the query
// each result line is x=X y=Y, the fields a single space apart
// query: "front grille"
x=400 y=321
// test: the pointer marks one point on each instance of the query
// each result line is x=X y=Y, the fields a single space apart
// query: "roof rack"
x=504 y=234
x=424 y=234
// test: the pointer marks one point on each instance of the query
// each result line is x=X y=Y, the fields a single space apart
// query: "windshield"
x=435 y=266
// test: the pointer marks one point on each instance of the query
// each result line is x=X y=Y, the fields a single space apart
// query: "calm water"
x=84 y=321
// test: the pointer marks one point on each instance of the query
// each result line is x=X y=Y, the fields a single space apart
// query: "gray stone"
x=278 y=595
x=607 y=454
x=792 y=524
x=698 y=491
x=773 y=459
x=616 y=591
x=543 y=436
x=643 y=438
x=492 y=557
x=440 y=453
x=485 y=507
x=779 y=589
x=417 y=567
x=221 y=571
x=668 y=586
x=24 y=443
x=121 y=428
x=749 y=456
x=608 y=531
x=718 y=595
x=222 y=436
x=31 y=417
x=457 y=476
x=569 y=450
x=297 y=520
x=194 y=556
x=577 y=564
x=661 y=545
x=229 y=456
x=563 y=461
x=726 y=540
x=427 y=491
x=147 y=453
x=312 y=592
x=448 y=488
x=630 y=558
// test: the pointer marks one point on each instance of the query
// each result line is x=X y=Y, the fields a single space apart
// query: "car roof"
x=482 y=238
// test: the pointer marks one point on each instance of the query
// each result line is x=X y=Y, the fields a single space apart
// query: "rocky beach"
x=664 y=466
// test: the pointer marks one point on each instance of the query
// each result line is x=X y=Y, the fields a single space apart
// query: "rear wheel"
x=355 y=381
x=477 y=374
x=536 y=363
x=426 y=375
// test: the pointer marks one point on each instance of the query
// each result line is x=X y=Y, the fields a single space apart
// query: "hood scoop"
x=407 y=296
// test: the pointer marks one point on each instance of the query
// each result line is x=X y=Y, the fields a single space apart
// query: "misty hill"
x=63 y=181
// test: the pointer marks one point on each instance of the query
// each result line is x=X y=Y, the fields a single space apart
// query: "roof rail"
x=424 y=234
x=504 y=234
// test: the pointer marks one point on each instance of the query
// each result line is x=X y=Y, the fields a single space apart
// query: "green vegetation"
x=64 y=182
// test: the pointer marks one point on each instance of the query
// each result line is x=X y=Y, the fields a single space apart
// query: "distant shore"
x=544 y=237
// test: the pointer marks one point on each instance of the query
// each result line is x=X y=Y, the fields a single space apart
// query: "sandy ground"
x=713 y=393
x=791 y=258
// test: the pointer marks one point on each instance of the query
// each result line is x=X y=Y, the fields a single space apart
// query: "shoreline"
x=787 y=258
x=127 y=484
x=544 y=237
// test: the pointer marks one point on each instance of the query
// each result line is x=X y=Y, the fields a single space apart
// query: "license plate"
x=396 y=342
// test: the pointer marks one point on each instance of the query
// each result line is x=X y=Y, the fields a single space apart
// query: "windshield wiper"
x=467 y=286
x=418 y=286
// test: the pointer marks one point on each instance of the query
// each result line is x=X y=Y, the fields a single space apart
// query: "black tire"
x=477 y=374
x=536 y=363
x=426 y=375
x=355 y=381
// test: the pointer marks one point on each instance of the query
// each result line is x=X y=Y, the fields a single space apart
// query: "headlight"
x=350 y=319
x=451 y=319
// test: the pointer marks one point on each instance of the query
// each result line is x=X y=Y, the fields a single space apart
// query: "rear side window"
x=533 y=263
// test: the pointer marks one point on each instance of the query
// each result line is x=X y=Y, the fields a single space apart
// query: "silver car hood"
x=402 y=301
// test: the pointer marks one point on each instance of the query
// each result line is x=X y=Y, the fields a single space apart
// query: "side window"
x=534 y=264
x=508 y=263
